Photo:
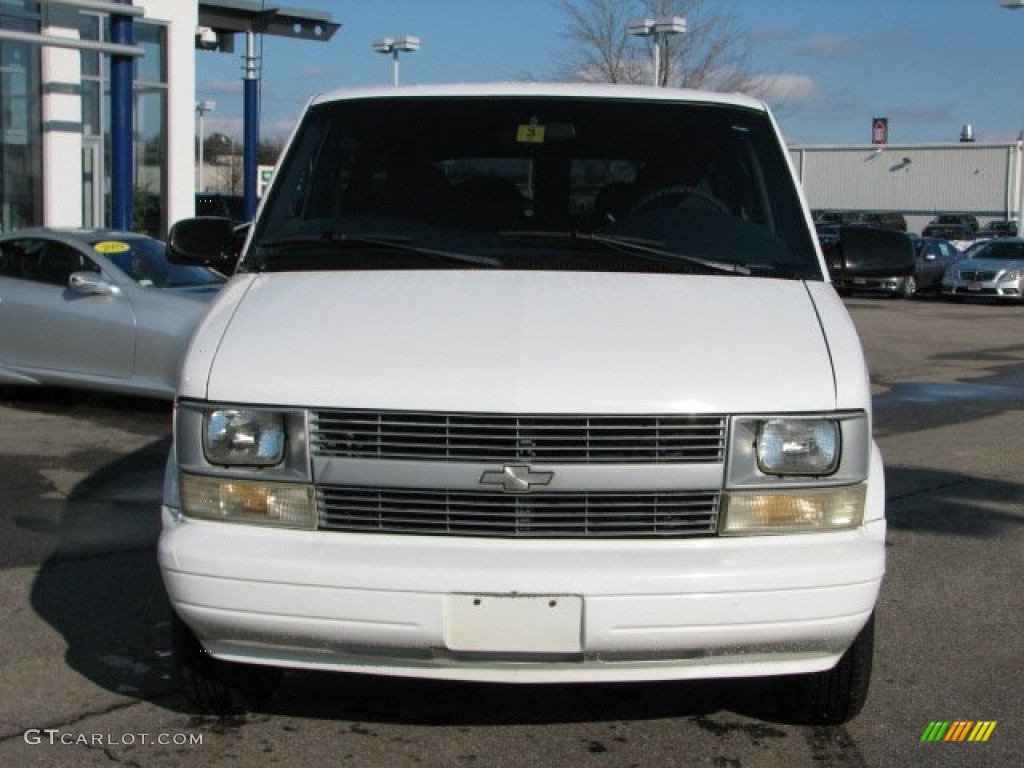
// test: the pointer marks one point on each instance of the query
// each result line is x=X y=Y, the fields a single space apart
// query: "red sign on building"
x=880 y=130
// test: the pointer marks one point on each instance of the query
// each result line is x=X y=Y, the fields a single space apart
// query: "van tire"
x=835 y=696
x=213 y=686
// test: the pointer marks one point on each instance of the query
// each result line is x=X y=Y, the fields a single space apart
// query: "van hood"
x=530 y=342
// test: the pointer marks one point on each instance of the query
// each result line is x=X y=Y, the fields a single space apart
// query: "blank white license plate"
x=974 y=287
x=514 y=623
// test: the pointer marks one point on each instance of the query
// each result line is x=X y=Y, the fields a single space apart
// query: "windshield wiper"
x=651 y=250
x=344 y=240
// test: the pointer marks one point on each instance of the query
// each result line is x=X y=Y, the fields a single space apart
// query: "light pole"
x=394 y=46
x=1016 y=5
x=202 y=108
x=660 y=30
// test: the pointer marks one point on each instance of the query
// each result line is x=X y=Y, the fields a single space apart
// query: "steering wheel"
x=682 y=192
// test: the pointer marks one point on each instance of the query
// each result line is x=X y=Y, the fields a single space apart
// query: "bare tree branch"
x=713 y=53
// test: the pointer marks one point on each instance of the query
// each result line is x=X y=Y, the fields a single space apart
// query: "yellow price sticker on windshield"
x=530 y=134
x=111 y=246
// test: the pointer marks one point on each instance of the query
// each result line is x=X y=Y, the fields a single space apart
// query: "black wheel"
x=909 y=287
x=661 y=195
x=216 y=687
x=838 y=695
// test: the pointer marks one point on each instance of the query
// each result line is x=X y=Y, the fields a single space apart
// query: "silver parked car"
x=96 y=309
x=995 y=271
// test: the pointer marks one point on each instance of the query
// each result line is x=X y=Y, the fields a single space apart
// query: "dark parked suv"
x=998 y=229
x=952 y=226
x=880 y=219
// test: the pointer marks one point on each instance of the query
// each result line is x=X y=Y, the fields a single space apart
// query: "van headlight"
x=244 y=464
x=796 y=473
x=243 y=437
x=807 y=510
x=798 y=446
x=236 y=500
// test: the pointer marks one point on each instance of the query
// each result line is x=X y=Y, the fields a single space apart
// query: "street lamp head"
x=641 y=27
x=205 y=106
x=394 y=46
x=407 y=43
x=672 y=25
x=659 y=30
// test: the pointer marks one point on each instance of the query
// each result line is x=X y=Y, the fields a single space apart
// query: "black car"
x=952 y=226
x=999 y=229
x=932 y=256
x=880 y=219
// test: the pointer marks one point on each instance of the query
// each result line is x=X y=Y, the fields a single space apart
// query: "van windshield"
x=536 y=183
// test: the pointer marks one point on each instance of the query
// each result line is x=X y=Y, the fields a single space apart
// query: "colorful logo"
x=959 y=730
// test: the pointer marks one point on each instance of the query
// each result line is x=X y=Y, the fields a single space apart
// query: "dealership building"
x=98 y=121
x=98 y=103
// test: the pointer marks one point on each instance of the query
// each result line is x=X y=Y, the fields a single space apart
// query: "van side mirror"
x=870 y=252
x=206 y=241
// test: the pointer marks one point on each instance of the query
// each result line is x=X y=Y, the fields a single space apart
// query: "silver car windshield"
x=704 y=187
x=1012 y=250
x=145 y=261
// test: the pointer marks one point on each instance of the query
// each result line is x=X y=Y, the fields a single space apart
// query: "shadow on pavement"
x=964 y=506
x=101 y=588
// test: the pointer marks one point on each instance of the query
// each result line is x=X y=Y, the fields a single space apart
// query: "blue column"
x=251 y=126
x=121 y=123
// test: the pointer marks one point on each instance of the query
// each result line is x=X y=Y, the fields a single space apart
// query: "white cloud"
x=828 y=46
x=789 y=89
x=279 y=129
x=223 y=86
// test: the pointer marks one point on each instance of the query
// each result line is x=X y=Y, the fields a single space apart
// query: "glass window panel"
x=89 y=29
x=150 y=160
x=18 y=8
x=152 y=38
x=91 y=107
x=20 y=154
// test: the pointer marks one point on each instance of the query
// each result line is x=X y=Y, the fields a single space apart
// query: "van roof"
x=565 y=90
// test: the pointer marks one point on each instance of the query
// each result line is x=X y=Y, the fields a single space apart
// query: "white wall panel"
x=912 y=179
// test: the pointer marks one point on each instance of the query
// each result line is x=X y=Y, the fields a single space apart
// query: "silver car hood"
x=993 y=265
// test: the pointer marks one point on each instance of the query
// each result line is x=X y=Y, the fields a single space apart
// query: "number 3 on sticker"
x=530 y=134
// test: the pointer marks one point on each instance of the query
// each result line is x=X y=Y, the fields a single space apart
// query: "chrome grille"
x=977 y=275
x=491 y=438
x=667 y=514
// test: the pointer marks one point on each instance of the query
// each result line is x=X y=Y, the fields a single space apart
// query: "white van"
x=528 y=384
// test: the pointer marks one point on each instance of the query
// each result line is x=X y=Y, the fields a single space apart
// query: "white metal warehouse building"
x=916 y=180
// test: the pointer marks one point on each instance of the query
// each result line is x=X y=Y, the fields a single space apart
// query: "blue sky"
x=930 y=66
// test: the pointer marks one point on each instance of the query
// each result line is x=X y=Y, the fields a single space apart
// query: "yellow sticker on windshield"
x=111 y=246
x=530 y=134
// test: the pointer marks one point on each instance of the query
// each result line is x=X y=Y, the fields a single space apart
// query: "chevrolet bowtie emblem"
x=516 y=478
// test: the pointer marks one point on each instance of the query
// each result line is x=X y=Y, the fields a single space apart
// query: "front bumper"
x=552 y=611
x=1006 y=291
x=877 y=284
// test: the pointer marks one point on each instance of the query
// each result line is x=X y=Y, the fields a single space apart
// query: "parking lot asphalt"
x=85 y=652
